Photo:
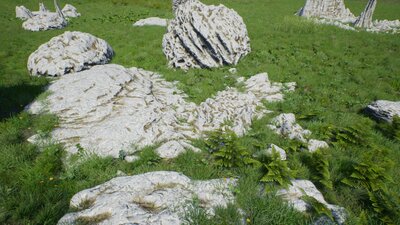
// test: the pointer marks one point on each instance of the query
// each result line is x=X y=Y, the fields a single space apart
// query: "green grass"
x=338 y=73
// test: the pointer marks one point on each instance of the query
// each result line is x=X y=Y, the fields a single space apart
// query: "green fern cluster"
x=318 y=164
x=227 y=151
x=346 y=135
x=391 y=130
x=275 y=170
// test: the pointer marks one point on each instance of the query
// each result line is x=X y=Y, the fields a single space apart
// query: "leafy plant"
x=317 y=208
x=346 y=135
x=318 y=164
x=392 y=130
x=275 y=170
x=227 y=150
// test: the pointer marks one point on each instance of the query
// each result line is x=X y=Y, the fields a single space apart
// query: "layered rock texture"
x=334 y=12
x=285 y=125
x=205 y=36
x=69 y=52
x=151 y=21
x=384 y=110
x=160 y=198
x=44 y=19
x=300 y=188
x=110 y=108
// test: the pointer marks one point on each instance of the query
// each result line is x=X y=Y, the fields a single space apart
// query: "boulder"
x=110 y=108
x=300 y=188
x=327 y=9
x=276 y=148
x=45 y=20
x=69 y=52
x=70 y=11
x=383 y=110
x=23 y=13
x=205 y=36
x=152 y=198
x=151 y=21
x=285 y=125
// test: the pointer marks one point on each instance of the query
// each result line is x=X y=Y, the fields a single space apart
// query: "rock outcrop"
x=286 y=126
x=300 y=188
x=205 y=36
x=176 y=3
x=365 y=19
x=110 y=108
x=70 y=11
x=328 y=9
x=151 y=21
x=151 y=198
x=23 y=13
x=67 y=53
x=384 y=110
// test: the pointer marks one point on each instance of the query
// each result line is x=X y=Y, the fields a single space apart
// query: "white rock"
x=176 y=3
x=69 y=52
x=299 y=188
x=45 y=20
x=384 y=110
x=131 y=158
x=233 y=70
x=327 y=9
x=151 y=21
x=285 y=125
x=152 y=198
x=276 y=148
x=23 y=13
x=203 y=36
x=70 y=11
x=110 y=108
x=314 y=145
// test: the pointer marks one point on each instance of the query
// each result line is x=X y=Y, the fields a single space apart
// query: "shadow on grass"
x=13 y=99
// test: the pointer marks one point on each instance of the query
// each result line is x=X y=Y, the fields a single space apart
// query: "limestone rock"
x=151 y=21
x=70 y=11
x=299 y=188
x=328 y=9
x=23 y=13
x=69 y=52
x=203 y=36
x=176 y=3
x=110 y=108
x=387 y=26
x=285 y=125
x=384 y=110
x=276 y=148
x=365 y=19
x=45 y=20
x=314 y=145
x=151 y=198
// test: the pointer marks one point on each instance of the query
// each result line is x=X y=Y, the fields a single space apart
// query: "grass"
x=338 y=73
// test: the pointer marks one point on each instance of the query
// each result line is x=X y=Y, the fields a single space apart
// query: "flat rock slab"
x=110 y=108
x=159 y=198
x=67 y=53
x=151 y=21
x=384 y=110
x=205 y=36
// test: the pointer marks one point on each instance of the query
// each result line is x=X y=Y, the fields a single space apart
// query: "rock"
x=365 y=19
x=151 y=198
x=70 y=11
x=327 y=9
x=385 y=26
x=383 y=110
x=110 y=108
x=69 y=52
x=131 y=158
x=176 y=3
x=334 y=23
x=285 y=125
x=233 y=70
x=23 y=13
x=151 y=21
x=203 y=36
x=276 y=148
x=45 y=20
x=314 y=145
x=299 y=188
x=120 y=173
x=42 y=8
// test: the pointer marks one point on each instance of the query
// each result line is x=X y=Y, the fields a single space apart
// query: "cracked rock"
x=384 y=110
x=69 y=52
x=152 y=198
x=285 y=125
x=327 y=9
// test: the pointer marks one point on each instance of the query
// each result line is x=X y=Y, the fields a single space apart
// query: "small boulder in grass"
x=384 y=110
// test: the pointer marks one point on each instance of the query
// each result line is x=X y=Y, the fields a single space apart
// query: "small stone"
x=285 y=125
x=233 y=70
x=314 y=145
x=151 y=21
x=120 y=173
x=131 y=158
x=70 y=11
x=276 y=148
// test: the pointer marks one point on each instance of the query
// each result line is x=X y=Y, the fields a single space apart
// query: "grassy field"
x=338 y=73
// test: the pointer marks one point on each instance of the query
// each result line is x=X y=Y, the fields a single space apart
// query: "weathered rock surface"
x=70 y=11
x=285 y=125
x=365 y=19
x=44 y=20
x=110 y=108
x=69 y=52
x=152 y=198
x=151 y=21
x=384 y=110
x=176 y=3
x=276 y=148
x=23 y=13
x=328 y=9
x=203 y=36
x=299 y=188
x=386 y=26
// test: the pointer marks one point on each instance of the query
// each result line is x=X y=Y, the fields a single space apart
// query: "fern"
x=318 y=165
x=392 y=130
x=227 y=150
x=346 y=135
x=275 y=170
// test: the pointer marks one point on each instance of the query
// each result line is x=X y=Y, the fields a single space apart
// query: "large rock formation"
x=203 y=36
x=110 y=108
x=328 y=9
x=176 y=3
x=69 y=52
x=384 y=110
x=365 y=19
x=300 y=188
x=160 y=198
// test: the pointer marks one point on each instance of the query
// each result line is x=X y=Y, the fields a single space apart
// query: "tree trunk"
x=365 y=19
